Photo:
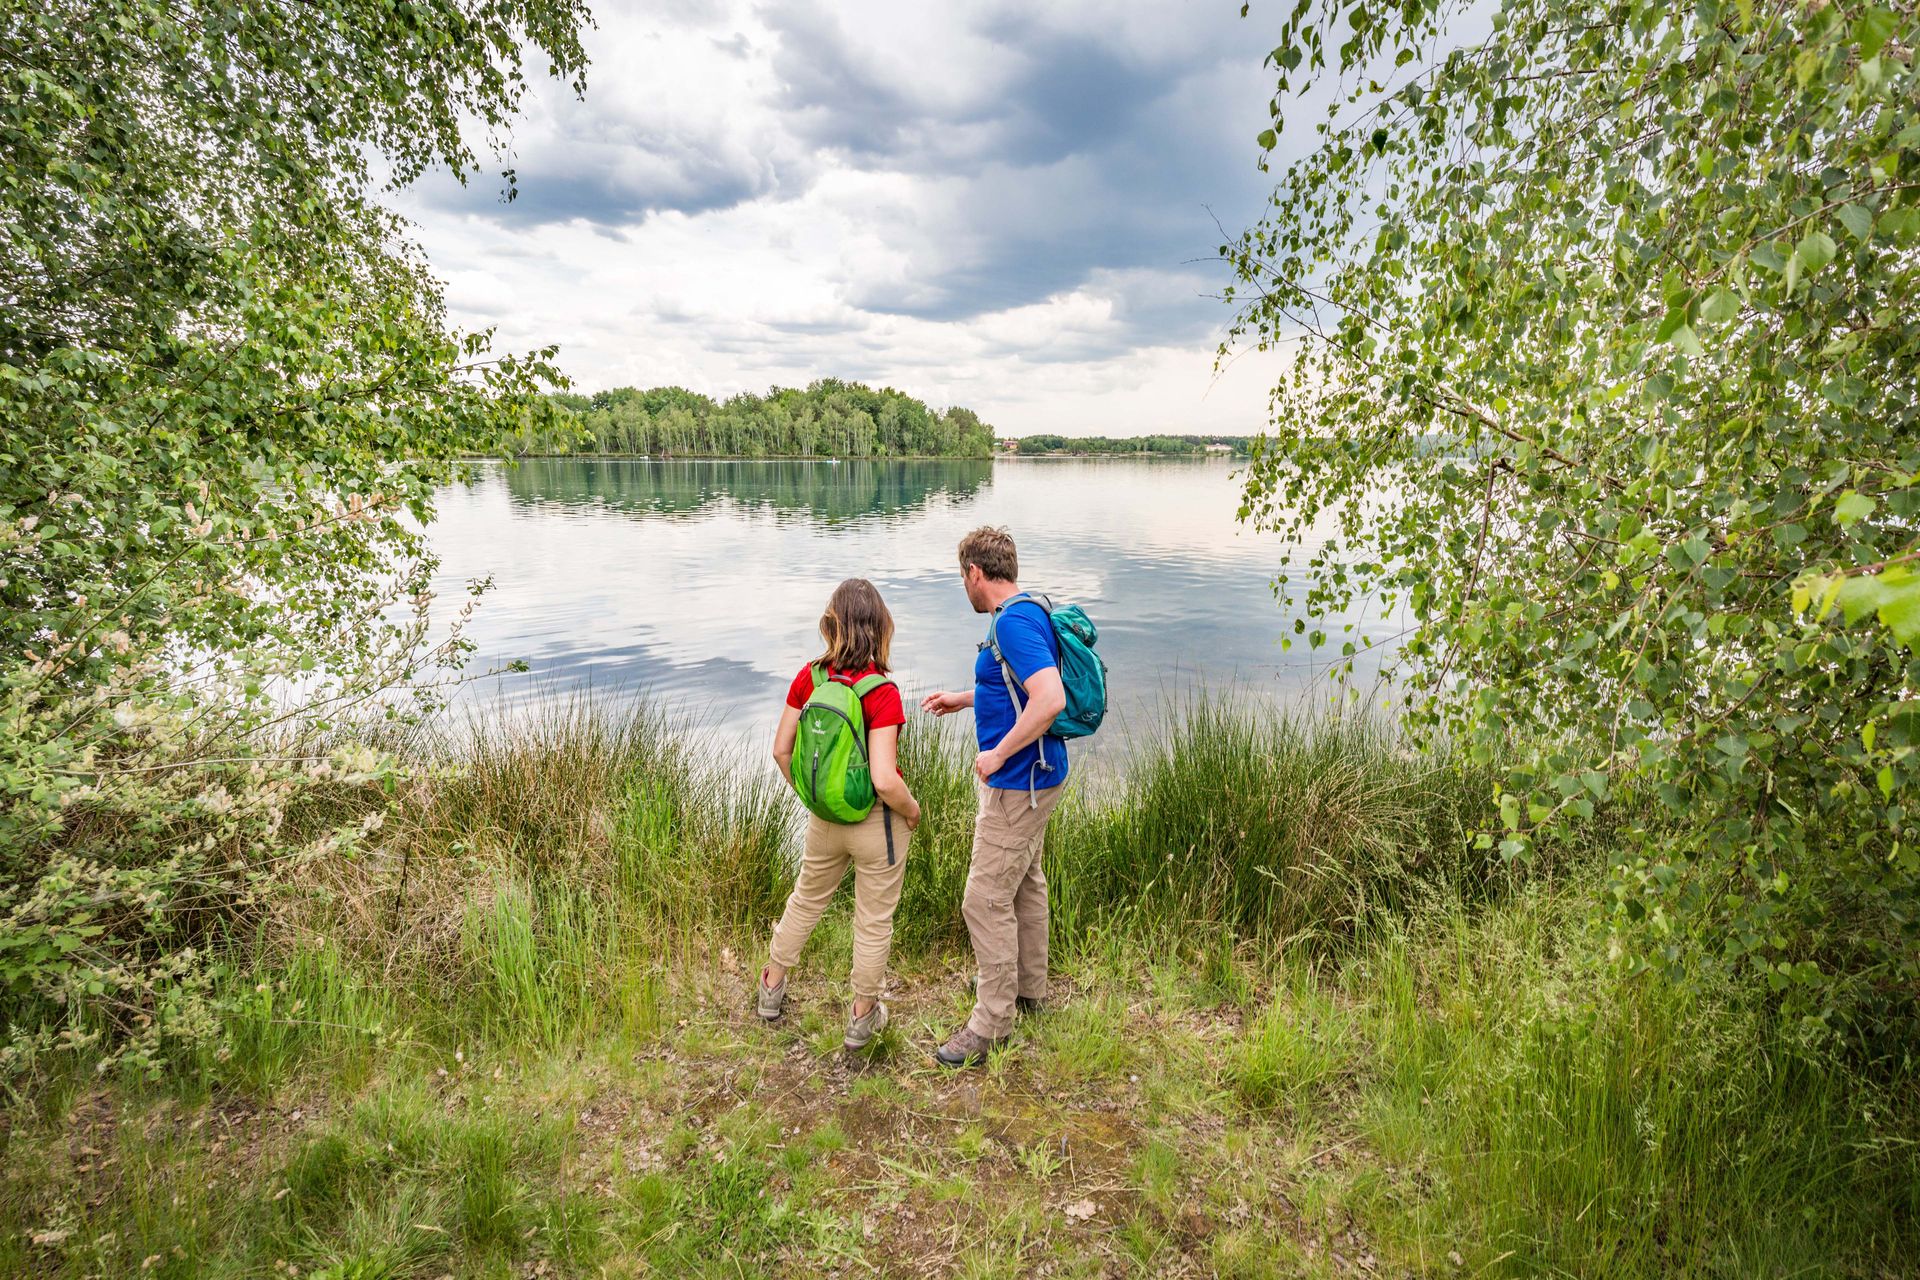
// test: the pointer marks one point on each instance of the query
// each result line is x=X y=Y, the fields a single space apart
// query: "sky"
x=1007 y=206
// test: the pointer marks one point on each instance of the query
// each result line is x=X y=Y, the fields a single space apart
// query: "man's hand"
x=943 y=703
x=988 y=763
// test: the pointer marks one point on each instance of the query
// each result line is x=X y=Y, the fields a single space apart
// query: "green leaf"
x=1872 y=30
x=1816 y=250
x=1900 y=610
x=1902 y=224
x=1860 y=596
x=1858 y=220
x=1853 y=508
x=1268 y=139
x=1720 y=306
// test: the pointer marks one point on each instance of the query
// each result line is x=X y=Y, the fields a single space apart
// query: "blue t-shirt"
x=1026 y=641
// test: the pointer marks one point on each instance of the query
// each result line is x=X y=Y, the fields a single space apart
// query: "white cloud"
x=982 y=204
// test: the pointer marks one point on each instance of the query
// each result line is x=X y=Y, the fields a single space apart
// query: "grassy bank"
x=1301 y=1028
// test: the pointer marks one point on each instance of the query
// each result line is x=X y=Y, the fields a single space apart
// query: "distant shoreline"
x=1007 y=456
x=718 y=457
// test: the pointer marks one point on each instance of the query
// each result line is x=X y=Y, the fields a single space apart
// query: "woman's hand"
x=883 y=758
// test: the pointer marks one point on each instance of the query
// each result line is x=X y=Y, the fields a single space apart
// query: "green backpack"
x=829 y=766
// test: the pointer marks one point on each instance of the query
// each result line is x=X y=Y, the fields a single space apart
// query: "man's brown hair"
x=992 y=549
x=857 y=627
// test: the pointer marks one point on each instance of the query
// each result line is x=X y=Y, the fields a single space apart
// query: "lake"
x=700 y=583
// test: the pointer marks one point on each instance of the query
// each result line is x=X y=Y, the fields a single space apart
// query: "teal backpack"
x=1082 y=673
x=829 y=766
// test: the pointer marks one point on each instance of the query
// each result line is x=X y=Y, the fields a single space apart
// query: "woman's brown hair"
x=857 y=627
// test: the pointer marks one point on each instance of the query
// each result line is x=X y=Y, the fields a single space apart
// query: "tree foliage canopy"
x=227 y=391
x=213 y=335
x=1649 y=271
x=829 y=418
x=1173 y=446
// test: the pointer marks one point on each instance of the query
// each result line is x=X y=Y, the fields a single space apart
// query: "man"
x=1021 y=772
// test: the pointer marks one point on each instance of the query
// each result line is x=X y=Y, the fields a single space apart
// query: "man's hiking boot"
x=967 y=1048
x=773 y=1000
x=862 y=1028
x=1021 y=1004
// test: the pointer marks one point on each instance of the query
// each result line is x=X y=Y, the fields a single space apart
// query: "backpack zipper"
x=858 y=743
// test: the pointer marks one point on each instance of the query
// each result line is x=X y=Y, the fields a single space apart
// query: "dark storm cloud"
x=834 y=95
x=1087 y=157
x=595 y=192
x=1059 y=156
x=1076 y=96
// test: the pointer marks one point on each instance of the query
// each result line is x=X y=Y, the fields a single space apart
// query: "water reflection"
x=700 y=583
x=809 y=489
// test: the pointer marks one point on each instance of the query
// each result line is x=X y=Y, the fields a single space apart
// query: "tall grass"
x=1273 y=826
x=546 y=865
x=1583 y=1121
x=547 y=880
x=1270 y=826
x=541 y=861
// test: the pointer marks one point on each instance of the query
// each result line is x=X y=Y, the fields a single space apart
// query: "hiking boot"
x=967 y=1048
x=1021 y=1004
x=862 y=1028
x=773 y=1000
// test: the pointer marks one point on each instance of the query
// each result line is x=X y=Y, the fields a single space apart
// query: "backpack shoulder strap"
x=993 y=622
x=868 y=684
x=1043 y=603
x=993 y=643
x=819 y=674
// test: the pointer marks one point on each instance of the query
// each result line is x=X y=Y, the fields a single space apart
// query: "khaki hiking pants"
x=876 y=892
x=1006 y=903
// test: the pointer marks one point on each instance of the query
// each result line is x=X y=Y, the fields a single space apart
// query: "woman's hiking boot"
x=863 y=1027
x=967 y=1048
x=773 y=1000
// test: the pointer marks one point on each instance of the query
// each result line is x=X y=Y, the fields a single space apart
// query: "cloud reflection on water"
x=699 y=584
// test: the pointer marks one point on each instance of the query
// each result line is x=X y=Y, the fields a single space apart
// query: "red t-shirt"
x=881 y=708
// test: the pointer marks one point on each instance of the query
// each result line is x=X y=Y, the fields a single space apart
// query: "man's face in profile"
x=972 y=579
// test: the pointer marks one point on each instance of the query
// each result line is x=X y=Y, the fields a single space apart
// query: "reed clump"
x=1266 y=825
x=1275 y=827
x=578 y=828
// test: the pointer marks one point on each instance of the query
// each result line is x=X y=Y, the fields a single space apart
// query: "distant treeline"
x=830 y=418
x=1183 y=445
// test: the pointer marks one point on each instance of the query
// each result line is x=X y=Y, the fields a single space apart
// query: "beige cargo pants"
x=831 y=847
x=1006 y=904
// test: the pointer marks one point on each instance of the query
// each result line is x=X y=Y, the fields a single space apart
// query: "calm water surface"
x=700 y=584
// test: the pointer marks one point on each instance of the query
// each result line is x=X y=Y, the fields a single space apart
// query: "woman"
x=858 y=632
